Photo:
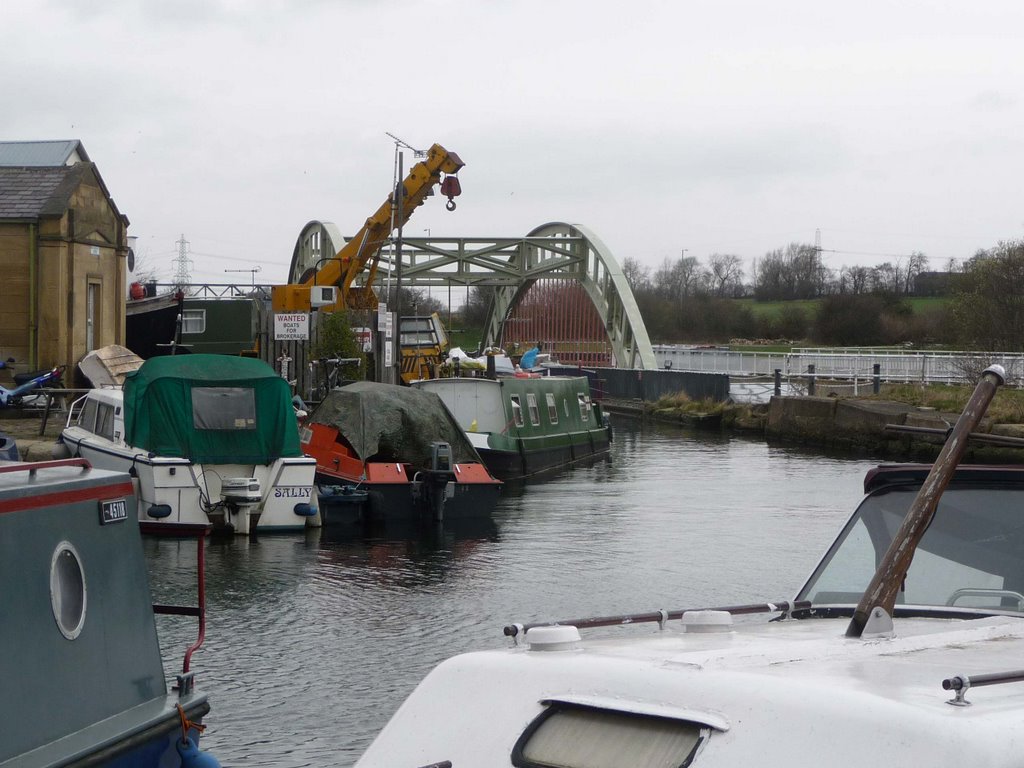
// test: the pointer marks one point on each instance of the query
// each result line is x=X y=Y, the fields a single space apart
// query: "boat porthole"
x=67 y=590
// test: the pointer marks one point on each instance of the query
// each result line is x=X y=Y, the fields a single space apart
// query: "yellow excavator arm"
x=364 y=248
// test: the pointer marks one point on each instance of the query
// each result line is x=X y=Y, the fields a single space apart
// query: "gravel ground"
x=24 y=428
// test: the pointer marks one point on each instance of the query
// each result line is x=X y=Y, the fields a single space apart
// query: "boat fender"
x=305 y=510
x=193 y=757
x=159 y=511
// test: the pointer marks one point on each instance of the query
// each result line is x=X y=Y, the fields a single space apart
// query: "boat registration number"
x=113 y=511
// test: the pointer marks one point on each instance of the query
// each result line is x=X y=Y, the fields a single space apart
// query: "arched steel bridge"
x=559 y=285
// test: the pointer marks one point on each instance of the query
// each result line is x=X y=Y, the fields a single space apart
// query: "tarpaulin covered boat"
x=403 y=448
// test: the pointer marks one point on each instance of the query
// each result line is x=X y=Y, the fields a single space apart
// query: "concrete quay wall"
x=860 y=425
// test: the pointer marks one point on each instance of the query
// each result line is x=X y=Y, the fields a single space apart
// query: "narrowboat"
x=402 y=448
x=80 y=658
x=526 y=425
x=207 y=439
x=903 y=647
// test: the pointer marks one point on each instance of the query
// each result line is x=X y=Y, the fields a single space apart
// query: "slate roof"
x=29 y=193
x=36 y=154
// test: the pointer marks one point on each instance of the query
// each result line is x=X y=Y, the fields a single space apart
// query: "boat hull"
x=466 y=493
x=526 y=460
x=190 y=493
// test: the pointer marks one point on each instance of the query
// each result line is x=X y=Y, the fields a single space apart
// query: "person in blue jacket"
x=529 y=359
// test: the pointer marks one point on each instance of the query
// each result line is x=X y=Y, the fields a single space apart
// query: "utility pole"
x=182 y=277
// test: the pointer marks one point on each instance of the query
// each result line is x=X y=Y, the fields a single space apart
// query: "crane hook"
x=451 y=188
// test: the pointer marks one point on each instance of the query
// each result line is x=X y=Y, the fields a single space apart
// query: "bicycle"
x=331 y=368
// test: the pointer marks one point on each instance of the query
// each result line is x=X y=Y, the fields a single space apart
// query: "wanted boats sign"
x=293 y=326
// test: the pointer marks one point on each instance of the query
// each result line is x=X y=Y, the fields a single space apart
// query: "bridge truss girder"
x=552 y=251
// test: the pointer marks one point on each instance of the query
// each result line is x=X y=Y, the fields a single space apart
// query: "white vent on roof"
x=707 y=621
x=556 y=638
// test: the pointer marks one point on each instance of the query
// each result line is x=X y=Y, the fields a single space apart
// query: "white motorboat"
x=904 y=647
x=207 y=439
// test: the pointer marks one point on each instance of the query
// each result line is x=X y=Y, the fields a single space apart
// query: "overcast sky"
x=715 y=127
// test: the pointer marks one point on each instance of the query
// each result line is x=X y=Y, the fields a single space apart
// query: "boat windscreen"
x=971 y=556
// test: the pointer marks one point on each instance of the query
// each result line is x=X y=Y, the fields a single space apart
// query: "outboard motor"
x=435 y=485
x=241 y=495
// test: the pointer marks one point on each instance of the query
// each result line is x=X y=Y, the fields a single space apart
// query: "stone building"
x=63 y=254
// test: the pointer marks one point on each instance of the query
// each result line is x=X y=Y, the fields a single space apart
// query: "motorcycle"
x=28 y=382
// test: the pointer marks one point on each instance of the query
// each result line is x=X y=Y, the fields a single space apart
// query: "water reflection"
x=408 y=555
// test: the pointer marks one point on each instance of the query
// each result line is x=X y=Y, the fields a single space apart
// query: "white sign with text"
x=291 y=327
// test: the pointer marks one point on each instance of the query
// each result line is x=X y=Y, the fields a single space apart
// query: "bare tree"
x=726 y=273
x=637 y=275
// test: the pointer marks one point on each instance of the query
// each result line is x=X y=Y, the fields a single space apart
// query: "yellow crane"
x=362 y=253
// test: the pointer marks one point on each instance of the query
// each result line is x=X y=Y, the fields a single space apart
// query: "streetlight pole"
x=252 y=272
x=682 y=289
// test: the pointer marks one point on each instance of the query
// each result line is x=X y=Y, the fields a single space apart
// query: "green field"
x=768 y=309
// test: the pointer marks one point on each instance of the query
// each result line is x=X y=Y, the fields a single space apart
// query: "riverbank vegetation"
x=1007 y=406
x=791 y=295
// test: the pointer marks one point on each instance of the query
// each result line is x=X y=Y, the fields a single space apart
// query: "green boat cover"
x=384 y=422
x=210 y=409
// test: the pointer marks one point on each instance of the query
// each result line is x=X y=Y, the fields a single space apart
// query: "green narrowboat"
x=523 y=426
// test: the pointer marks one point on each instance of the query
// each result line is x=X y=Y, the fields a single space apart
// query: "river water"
x=313 y=640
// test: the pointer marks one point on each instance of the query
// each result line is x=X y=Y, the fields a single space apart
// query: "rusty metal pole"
x=881 y=592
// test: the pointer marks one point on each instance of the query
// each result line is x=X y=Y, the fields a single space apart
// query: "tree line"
x=687 y=300
x=784 y=274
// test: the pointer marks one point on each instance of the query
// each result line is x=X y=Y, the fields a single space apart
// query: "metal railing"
x=853 y=364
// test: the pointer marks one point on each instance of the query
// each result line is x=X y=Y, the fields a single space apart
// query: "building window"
x=517 y=410
x=552 y=408
x=193 y=321
x=92 y=305
x=531 y=402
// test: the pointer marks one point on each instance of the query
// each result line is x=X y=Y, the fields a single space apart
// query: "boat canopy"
x=384 y=422
x=210 y=409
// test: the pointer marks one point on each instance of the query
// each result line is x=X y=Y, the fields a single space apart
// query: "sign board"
x=389 y=358
x=382 y=311
x=364 y=337
x=389 y=326
x=113 y=511
x=291 y=327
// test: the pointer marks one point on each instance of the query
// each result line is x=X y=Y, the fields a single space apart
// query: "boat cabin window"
x=67 y=590
x=104 y=420
x=575 y=736
x=87 y=416
x=531 y=402
x=584 y=406
x=517 y=410
x=223 y=408
x=193 y=321
x=552 y=408
x=971 y=556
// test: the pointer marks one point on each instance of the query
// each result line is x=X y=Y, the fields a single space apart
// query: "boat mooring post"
x=889 y=576
x=810 y=380
x=778 y=382
x=876 y=373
